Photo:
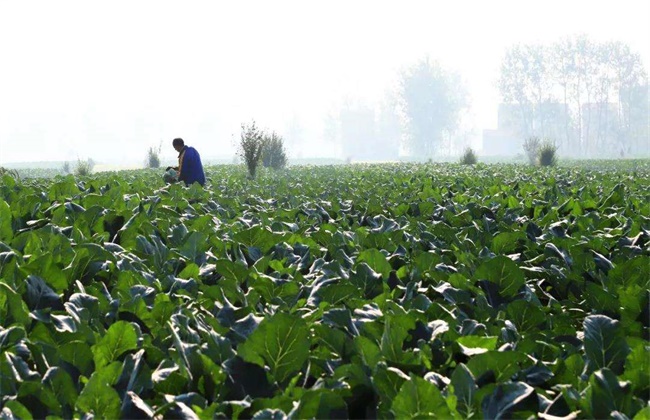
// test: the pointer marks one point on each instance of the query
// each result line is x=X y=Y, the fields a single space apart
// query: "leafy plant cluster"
x=540 y=152
x=257 y=146
x=390 y=291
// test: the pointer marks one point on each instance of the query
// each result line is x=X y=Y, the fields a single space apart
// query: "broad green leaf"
x=506 y=242
x=280 y=342
x=476 y=343
x=503 y=272
x=417 y=399
x=376 y=261
x=321 y=404
x=387 y=382
x=510 y=400
x=62 y=385
x=12 y=307
x=464 y=387
x=605 y=345
x=503 y=364
x=396 y=329
x=607 y=394
x=367 y=280
x=120 y=337
x=6 y=229
x=99 y=398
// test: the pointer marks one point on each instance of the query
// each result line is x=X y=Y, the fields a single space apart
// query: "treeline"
x=589 y=97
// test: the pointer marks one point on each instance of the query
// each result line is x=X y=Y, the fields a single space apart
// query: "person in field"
x=190 y=168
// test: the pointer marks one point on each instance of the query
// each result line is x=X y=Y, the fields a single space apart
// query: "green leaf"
x=464 y=387
x=18 y=410
x=99 y=398
x=525 y=315
x=503 y=272
x=280 y=342
x=367 y=280
x=506 y=242
x=606 y=394
x=637 y=366
x=369 y=351
x=6 y=229
x=504 y=364
x=605 y=345
x=388 y=381
x=474 y=344
x=62 y=385
x=78 y=354
x=396 y=330
x=12 y=307
x=419 y=398
x=510 y=400
x=375 y=260
x=321 y=404
x=119 y=338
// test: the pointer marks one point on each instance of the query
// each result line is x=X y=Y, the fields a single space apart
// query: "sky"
x=107 y=80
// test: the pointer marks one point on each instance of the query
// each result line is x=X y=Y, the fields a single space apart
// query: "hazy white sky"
x=108 y=79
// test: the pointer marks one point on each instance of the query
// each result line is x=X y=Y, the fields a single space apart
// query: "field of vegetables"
x=353 y=291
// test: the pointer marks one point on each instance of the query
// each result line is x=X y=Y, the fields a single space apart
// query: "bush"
x=250 y=147
x=547 y=154
x=469 y=157
x=153 y=157
x=531 y=147
x=273 y=153
x=66 y=168
x=84 y=167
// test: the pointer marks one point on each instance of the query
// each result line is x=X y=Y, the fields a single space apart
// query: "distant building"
x=517 y=122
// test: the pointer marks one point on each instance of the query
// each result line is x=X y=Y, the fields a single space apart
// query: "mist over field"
x=346 y=81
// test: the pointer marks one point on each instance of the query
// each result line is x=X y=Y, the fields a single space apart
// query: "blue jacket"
x=190 y=167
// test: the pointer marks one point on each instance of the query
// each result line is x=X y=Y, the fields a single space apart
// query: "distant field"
x=340 y=291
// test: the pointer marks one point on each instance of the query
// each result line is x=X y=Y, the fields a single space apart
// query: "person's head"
x=178 y=144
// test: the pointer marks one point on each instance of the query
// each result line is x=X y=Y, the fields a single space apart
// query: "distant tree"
x=431 y=99
x=66 y=167
x=84 y=167
x=587 y=96
x=525 y=79
x=153 y=156
x=250 y=147
x=469 y=157
x=273 y=153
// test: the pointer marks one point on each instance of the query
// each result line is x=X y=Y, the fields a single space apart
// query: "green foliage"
x=547 y=154
x=153 y=157
x=469 y=157
x=84 y=167
x=250 y=147
x=348 y=291
x=273 y=153
x=9 y=172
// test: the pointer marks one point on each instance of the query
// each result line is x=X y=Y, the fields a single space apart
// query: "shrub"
x=469 y=157
x=153 y=157
x=273 y=153
x=84 y=167
x=66 y=167
x=547 y=154
x=531 y=147
x=250 y=147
